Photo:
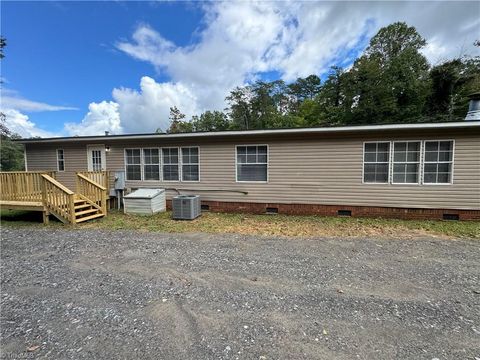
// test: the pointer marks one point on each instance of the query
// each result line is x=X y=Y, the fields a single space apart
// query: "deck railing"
x=22 y=185
x=92 y=191
x=58 y=199
x=100 y=177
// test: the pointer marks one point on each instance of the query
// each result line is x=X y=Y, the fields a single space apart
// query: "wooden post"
x=104 y=202
x=46 y=214
x=72 y=209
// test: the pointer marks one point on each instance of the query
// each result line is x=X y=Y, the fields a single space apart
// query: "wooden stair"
x=86 y=210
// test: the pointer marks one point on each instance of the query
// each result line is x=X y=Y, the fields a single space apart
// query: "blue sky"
x=75 y=68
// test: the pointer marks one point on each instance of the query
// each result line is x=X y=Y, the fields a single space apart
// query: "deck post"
x=72 y=209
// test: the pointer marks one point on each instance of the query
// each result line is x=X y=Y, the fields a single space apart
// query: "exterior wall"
x=44 y=157
x=309 y=169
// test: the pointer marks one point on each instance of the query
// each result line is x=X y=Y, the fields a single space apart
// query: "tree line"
x=391 y=82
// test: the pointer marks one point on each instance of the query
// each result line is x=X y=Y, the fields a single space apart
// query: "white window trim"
x=178 y=165
x=181 y=163
x=452 y=162
x=420 y=166
x=142 y=161
x=58 y=167
x=388 y=182
x=268 y=165
x=125 y=163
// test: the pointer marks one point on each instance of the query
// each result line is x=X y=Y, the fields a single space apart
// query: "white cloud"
x=101 y=117
x=20 y=124
x=239 y=40
x=11 y=100
x=148 y=109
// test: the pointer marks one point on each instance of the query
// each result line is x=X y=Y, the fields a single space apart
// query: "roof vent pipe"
x=473 y=107
x=107 y=133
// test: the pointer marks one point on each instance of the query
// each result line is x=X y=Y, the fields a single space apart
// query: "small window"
x=133 y=163
x=170 y=164
x=375 y=162
x=252 y=163
x=151 y=164
x=438 y=162
x=190 y=164
x=406 y=162
x=60 y=160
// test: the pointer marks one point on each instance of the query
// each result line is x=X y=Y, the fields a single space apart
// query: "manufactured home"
x=423 y=170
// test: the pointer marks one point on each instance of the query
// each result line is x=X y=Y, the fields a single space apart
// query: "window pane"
x=382 y=157
x=412 y=168
x=413 y=146
x=134 y=172
x=369 y=177
x=371 y=147
x=400 y=146
x=413 y=156
x=398 y=168
x=431 y=146
x=400 y=156
x=399 y=178
x=431 y=156
x=430 y=168
x=262 y=150
x=251 y=172
x=429 y=178
x=443 y=168
x=151 y=172
x=242 y=150
x=262 y=158
x=443 y=178
x=251 y=158
x=444 y=156
x=190 y=173
x=370 y=157
x=170 y=172
x=411 y=178
x=383 y=147
x=446 y=145
x=242 y=159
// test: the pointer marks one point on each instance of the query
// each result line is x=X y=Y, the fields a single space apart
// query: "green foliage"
x=11 y=153
x=391 y=82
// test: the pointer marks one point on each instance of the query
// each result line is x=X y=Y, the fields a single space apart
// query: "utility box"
x=186 y=207
x=119 y=183
x=144 y=202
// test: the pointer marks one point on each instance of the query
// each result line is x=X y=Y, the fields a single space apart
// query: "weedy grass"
x=270 y=225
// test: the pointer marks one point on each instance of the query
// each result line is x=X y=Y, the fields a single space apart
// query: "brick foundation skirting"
x=333 y=210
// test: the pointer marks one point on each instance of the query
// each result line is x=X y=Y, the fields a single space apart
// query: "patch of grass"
x=274 y=225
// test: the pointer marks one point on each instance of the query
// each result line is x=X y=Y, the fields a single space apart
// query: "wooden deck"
x=40 y=191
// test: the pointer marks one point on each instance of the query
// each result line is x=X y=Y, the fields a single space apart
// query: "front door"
x=96 y=158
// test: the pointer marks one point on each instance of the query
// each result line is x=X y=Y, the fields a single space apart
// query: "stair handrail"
x=58 y=199
x=92 y=190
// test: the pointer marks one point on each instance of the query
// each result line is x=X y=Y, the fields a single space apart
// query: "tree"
x=177 y=124
x=210 y=121
x=391 y=78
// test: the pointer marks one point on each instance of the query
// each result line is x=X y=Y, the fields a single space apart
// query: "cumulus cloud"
x=240 y=40
x=20 y=124
x=101 y=117
x=148 y=109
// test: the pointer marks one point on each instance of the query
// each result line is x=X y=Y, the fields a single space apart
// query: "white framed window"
x=438 y=162
x=376 y=161
x=251 y=163
x=170 y=164
x=60 y=160
x=151 y=164
x=190 y=164
x=406 y=162
x=133 y=164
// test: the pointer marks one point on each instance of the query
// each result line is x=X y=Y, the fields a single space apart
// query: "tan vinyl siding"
x=324 y=169
x=44 y=157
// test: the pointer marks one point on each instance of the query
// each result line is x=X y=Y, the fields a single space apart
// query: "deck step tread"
x=84 y=212
x=82 y=206
x=89 y=217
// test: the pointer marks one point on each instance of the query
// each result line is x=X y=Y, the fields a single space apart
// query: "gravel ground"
x=90 y=294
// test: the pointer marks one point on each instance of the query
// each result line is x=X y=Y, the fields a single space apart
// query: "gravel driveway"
x=88 y=294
